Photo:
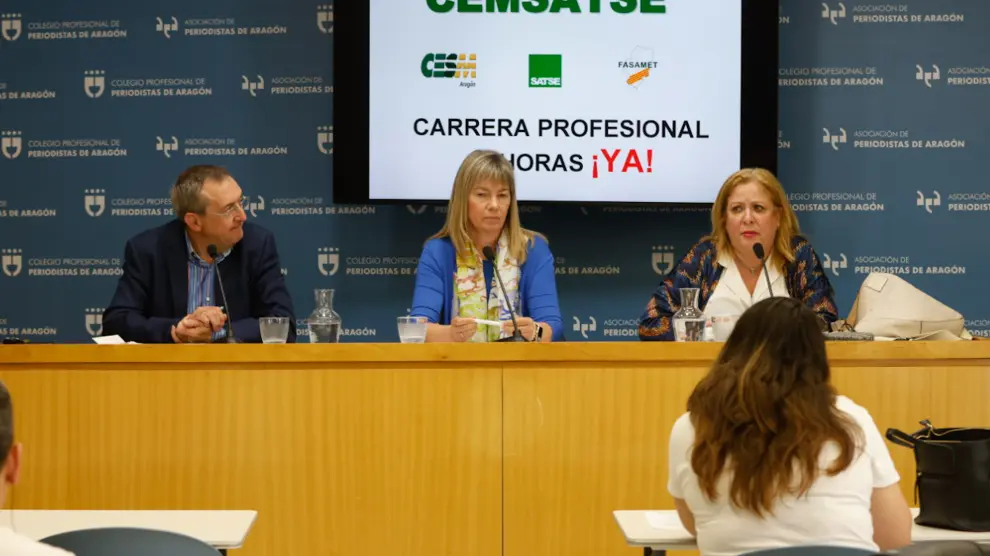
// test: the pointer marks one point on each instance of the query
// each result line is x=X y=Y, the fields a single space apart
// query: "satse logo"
x=545 y=70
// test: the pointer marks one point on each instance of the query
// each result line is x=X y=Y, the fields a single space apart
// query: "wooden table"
x=222 y=529
x=475 y=450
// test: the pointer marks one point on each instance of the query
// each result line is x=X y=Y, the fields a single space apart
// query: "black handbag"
x=952 y=487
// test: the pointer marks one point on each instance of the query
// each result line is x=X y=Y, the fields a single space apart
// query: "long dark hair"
x=766 y=408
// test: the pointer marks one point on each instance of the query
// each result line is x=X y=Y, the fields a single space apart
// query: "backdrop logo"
x=929 y=202
x=835 y=201
x=413 y=209
x=213 y=147
x=829 y=76
x=545 y=71
x=637 y=66
x=95 y=202
x=782 y=142
x=287 y=85
x=94 y=321
x=166 y=148
x=10 y=144
x=94 y=83
x=10 y=26
x=252 y=86
x=585 y=327
x=831 y=15
x=324 y=18
x=834 y=140
x=968 y=202
x=254 y=207
x=835 y=265
x=927 y=76
x=167 y=28
x=324 y=139
x=663 y=259
x=12 y=261
x=451 y=66
x=328 y=260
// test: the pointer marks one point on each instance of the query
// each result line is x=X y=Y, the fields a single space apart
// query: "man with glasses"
x=169 y=290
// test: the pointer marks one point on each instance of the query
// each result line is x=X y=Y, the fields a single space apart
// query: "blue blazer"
x=434 y=292
x=152 y=293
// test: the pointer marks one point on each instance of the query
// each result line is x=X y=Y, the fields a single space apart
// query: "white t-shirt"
x=15 y=544
x=835 y=511
x=732 y=297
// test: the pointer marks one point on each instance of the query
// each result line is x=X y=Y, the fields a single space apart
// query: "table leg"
x=647 y=551
x=223 y=551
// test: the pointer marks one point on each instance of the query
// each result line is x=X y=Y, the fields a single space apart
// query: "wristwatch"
x=538 y=337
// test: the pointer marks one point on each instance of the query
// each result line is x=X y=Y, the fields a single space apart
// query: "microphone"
x=758 y=250
x=211 y=250
x=516 y=335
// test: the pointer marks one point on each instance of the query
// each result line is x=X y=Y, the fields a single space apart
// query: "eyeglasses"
x=231 y=210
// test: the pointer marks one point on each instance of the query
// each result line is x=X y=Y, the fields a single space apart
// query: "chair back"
x=129 y=541
x=943 y=548
x=813 y=550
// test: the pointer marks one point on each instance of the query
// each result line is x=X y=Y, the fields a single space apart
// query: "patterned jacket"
x=805 y=278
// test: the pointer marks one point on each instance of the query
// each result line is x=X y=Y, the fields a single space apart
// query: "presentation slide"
x=591 y=100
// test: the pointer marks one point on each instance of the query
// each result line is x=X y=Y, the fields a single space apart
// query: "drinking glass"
x=412 y=330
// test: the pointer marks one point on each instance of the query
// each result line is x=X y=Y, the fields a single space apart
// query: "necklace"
x=754 y=270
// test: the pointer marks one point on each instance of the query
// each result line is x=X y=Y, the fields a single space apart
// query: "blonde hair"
x=477 y=167
x=786 y=229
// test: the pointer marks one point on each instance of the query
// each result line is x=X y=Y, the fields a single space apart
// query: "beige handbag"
x=890 y=308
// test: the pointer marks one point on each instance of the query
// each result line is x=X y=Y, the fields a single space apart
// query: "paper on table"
x=111 y=340
x=489 y=322
x=664 y=520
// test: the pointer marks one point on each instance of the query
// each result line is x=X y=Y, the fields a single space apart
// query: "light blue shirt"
x=201 y=280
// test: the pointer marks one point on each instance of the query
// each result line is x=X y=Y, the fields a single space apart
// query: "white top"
x=223 y=529
x=732 y=297
x=836 y=510
x=14 y=544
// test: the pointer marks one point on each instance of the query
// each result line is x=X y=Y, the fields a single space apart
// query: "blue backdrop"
x=102 y=104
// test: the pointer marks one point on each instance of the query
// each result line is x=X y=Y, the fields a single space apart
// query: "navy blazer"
x=152 y=293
